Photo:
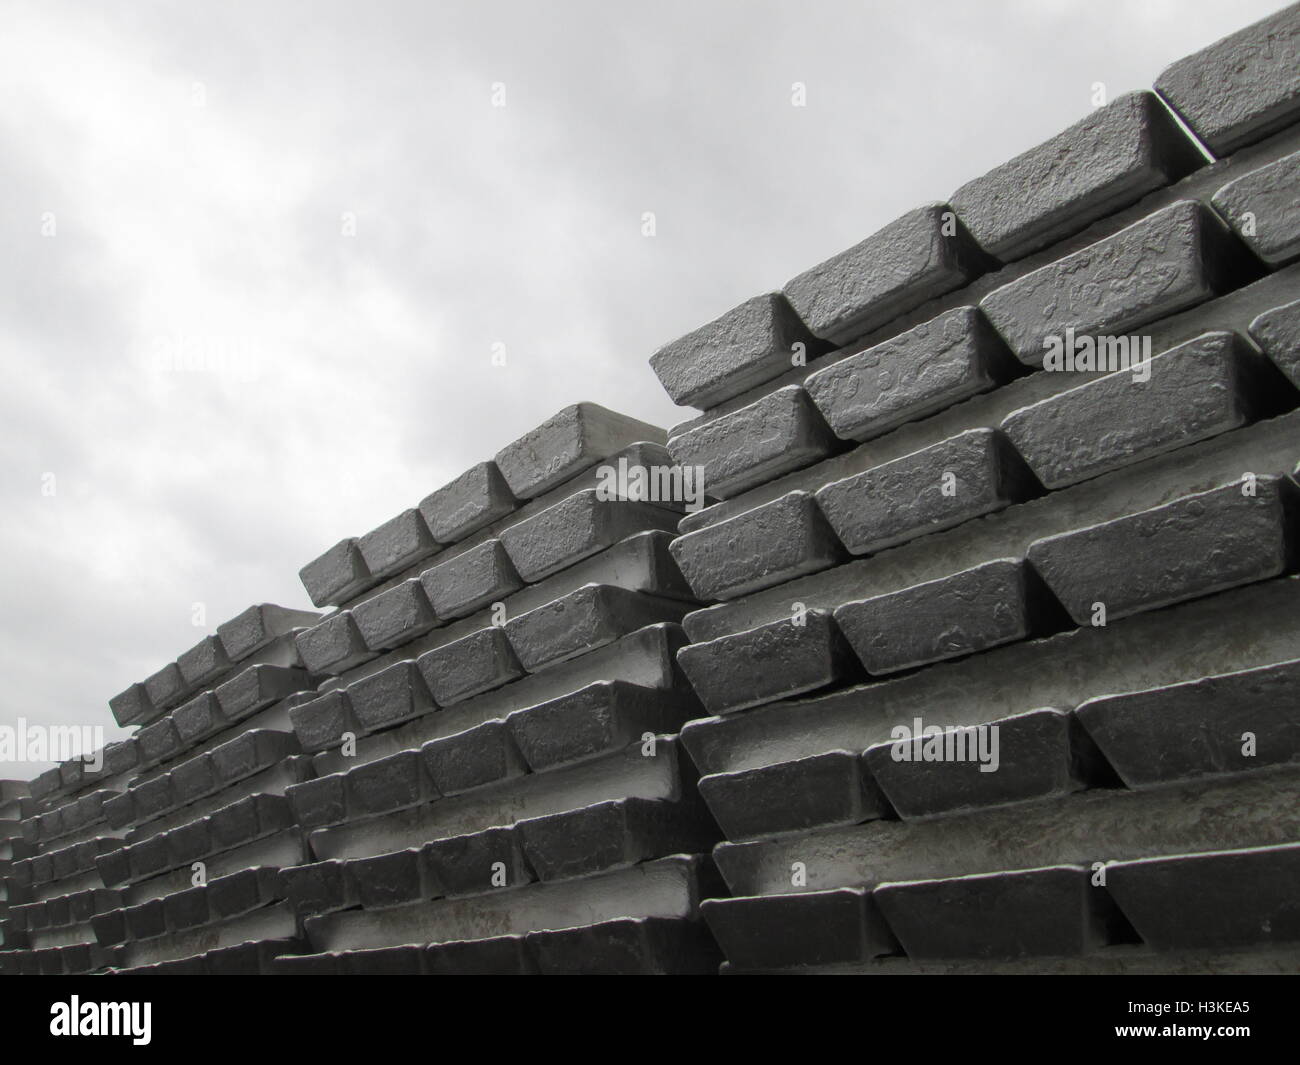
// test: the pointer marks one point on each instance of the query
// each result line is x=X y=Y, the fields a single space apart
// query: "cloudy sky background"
x=175 y=181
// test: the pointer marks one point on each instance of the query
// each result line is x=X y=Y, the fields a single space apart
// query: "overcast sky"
x=256 y=255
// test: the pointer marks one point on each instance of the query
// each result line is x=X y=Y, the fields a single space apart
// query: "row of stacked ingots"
x=980 y=657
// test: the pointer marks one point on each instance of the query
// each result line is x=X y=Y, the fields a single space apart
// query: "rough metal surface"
x=258 y=626
x=476 y=498
x=744 y=347
x=257 y=687
x=775 y=661
x=389 y=880
x=779 y=433
x=1099 y=824
x=1040 y=755
x=1233 y=311
x=131 y=705
x=1266 y=447
x=932 y=366
x=471 y=580
x=812 y=928
x=591 y=617
x=395 y=694
x=322 y=801
x=1221 y=724
x=333 y=646
x=253 y=750
x=485 y=754
x=317 y=887
x=1191 y=547
x=500 y=956
x=826 y=789
x=1241 y=88
x=394 y=616
x=961 y=614
x=577 y=528
x=573 y=440
x=469 y=666
x=463 y=865
x=645 y=657
x=1050 y=912
x=631 y=946
x=386 y=784
x=204 y=661
x=974 y=473
x=757 y=549
x=319 y=723
x=1167 y=262
x=595 y=720
x=396 y=544
x=335 y=575
x=1277 y=332
x=1143 y=651
x=165 y=687
x=158 y=741
x=1103 y=162
x=609 y=835
x=923 y=254
x=1218 y=900
x=1263 y=209
x=1197 y=390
